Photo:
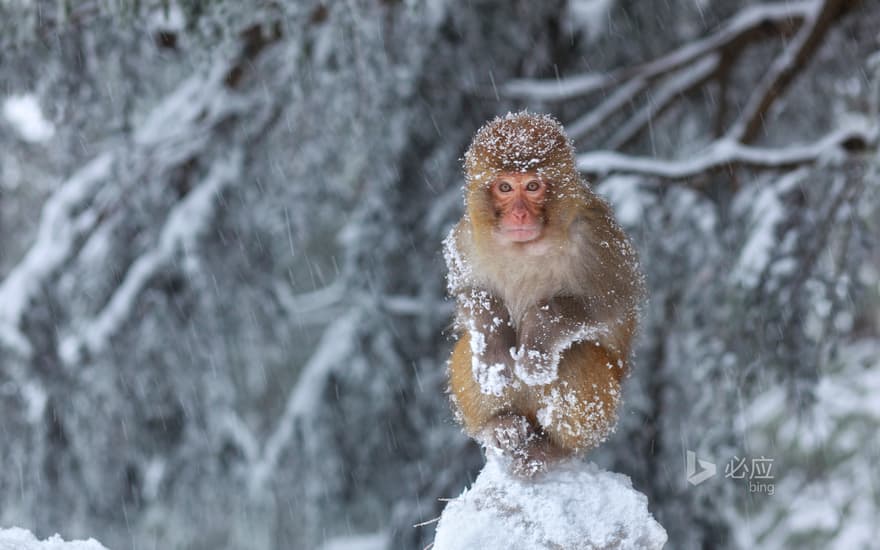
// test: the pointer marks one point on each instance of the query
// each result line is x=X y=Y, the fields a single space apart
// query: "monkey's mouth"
x=521 y=234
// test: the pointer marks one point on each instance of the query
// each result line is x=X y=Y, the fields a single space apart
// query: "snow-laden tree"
x=222 y=320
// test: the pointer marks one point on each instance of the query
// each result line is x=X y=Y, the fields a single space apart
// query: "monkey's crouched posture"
x=547 y=289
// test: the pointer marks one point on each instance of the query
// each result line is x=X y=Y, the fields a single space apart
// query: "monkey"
x=547 y=288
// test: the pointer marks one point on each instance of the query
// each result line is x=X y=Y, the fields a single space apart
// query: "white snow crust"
x=24 y=114
x=16 y=538
x=574 y=506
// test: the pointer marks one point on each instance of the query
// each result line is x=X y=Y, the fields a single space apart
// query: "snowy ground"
x=575 y=506
x=22 y=539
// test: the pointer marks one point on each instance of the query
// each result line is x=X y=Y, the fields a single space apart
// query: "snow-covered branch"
x=175 y=136
x=785 y=68
x=748 y=25
x=337 y=343
x=676 y=86
x=312 y=302
x=183 y=226
x=658 y=84
x=624 y=95
x=688 y=68
x=416 y=305
x=67 y=219
x=727 y=152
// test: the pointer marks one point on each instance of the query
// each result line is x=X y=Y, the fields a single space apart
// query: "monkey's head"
x=518 y=168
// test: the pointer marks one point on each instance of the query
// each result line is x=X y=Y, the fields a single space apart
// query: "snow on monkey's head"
x=521 y=143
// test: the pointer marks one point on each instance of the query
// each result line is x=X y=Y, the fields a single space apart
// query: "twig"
x=429 y=522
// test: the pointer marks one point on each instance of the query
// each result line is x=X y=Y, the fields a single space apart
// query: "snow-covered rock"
x=574 y=506
x=16 y=538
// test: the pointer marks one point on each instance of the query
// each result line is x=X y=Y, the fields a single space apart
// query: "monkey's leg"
x=505 y=423
x=579 y=410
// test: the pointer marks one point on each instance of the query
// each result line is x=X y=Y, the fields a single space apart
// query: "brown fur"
x=583 y=260
x=587 y=372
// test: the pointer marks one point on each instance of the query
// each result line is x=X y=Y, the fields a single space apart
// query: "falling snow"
x=224 y=321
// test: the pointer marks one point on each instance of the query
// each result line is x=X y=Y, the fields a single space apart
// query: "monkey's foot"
x=527 y=447
x=507 y=434
x=536 y=456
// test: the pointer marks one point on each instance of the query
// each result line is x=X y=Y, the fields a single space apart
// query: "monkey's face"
x=518 y=204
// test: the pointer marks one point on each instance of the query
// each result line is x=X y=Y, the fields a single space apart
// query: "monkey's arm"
x=548 y=329
x=492 y=337
x=482 y=315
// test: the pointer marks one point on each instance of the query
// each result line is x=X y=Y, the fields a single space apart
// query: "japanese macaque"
x=547 y=289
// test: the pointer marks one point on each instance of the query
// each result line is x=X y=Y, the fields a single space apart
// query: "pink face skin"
x=519 y=200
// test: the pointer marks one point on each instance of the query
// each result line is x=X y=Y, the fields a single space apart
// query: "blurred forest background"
x=222 y=311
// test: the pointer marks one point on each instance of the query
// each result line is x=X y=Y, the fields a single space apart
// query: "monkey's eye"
x=505 y=187
x=533 y=186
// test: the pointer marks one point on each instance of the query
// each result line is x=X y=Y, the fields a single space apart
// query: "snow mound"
x=575 y=506
x=22 y=539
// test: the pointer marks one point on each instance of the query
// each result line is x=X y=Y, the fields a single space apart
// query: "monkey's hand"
x=491 y=339
x=548 y=329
